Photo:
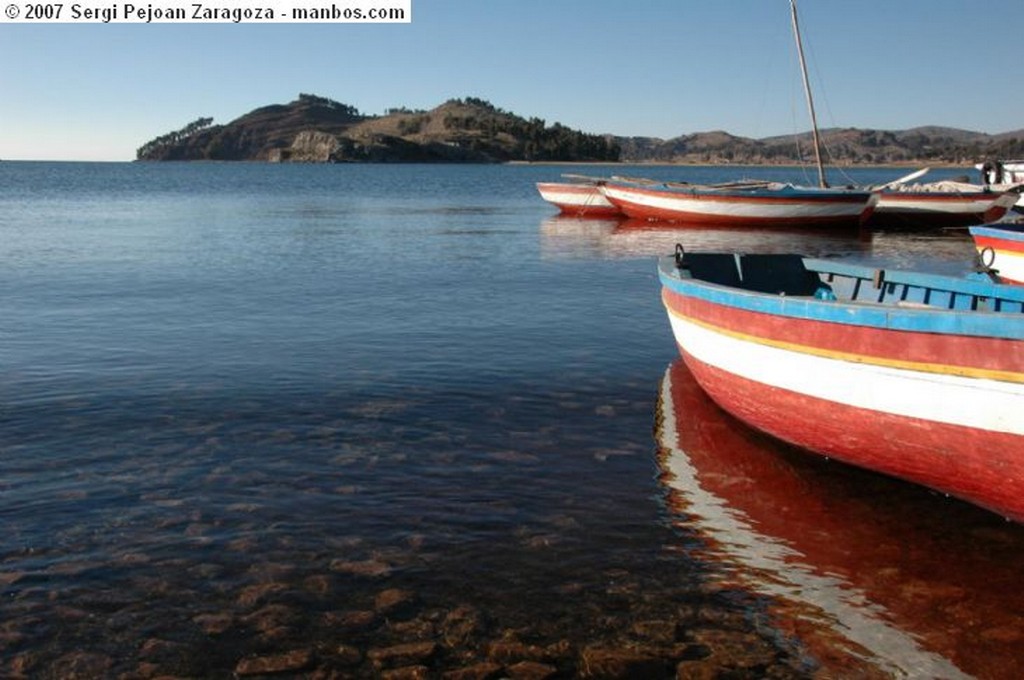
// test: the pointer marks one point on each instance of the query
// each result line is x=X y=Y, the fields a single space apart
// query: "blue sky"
x=658 y=68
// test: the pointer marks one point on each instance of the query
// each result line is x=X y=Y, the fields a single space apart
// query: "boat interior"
x=794 y=275
x=780 y=274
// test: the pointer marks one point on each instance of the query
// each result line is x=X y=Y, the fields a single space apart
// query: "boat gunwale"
x=920 y=319
x=1009 y=232
x=787 y=194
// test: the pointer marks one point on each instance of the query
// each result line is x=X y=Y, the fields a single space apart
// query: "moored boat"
x=940 y=204
x=742 y=204
x=749 y=204
x=1002 y=171
x=1001 y=248
x=914 y=375
x=1004 y=175
x=578 y=199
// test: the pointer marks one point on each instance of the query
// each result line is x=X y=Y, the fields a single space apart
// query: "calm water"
x=300 y=416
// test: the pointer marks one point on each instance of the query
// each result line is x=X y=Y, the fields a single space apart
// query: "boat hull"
x=939 y=409
x=1006 y=243
x=578 y=200
x=940 y=209
x=743 y=208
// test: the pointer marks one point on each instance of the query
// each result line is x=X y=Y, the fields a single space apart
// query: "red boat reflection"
x=564 y=236
x=864 y=569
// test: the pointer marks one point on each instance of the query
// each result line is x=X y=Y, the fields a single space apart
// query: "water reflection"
x=575 y=237
x=859 y=564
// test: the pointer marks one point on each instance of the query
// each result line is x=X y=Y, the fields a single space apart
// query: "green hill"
x=317 y=129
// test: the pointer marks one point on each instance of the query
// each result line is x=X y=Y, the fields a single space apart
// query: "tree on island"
x=172 y=138
x=317 y=100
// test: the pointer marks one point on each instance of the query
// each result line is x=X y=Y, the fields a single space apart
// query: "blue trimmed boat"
x=914 y=375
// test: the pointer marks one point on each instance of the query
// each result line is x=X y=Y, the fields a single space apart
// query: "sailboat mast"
x=810 y=100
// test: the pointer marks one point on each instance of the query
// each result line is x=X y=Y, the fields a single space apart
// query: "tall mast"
x=810 y=100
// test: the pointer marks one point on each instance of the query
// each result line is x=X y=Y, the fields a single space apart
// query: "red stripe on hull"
x=867 y=341
x=998 y=244
x=588 y=210
x=645 y=212
x=978 y=466
x=743 y=198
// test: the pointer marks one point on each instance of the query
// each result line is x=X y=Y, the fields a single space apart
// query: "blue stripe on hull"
x=1005 y=324
x=1009 y=232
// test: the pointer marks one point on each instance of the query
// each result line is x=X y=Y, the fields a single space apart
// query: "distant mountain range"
x=842 y=146
x=318 y=129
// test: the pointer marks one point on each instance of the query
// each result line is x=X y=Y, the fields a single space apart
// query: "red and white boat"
x=578 y=199
x=748 y=203
x=940 y=204
x=913 y=375
x=742 y=204
x=1001 y=249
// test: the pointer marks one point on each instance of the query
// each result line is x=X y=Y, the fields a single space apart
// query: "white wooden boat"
x=940 y=204
x=749 y=204
x=578 y=199
x=755 y=204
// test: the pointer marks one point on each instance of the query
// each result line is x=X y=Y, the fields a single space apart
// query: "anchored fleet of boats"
x=915 y=375
x=775 y=204
x=911 y=374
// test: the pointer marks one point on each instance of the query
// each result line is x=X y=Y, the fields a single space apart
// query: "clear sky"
x=659 y=68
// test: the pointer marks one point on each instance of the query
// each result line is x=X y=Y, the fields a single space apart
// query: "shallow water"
x=250 y=410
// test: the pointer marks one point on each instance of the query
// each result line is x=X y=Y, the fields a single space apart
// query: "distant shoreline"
x=899 y=164
x=595 y=164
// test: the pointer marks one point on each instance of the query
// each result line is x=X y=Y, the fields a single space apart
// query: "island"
x=316 y=129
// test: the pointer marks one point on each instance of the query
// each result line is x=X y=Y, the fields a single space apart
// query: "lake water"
x=346 y=420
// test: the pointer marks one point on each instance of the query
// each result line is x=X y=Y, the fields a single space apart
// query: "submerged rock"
x=371 y=568
x=622 y=664
x=289 y=662
x=531 y=670
x=486 y=670
x=412 y=653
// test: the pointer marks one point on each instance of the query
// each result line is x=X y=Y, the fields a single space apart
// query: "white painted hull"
x=1010 y=266
x=768 y=207
x=948 y=399
x=577 y=199
x=1002 y=249
x=925 y=205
